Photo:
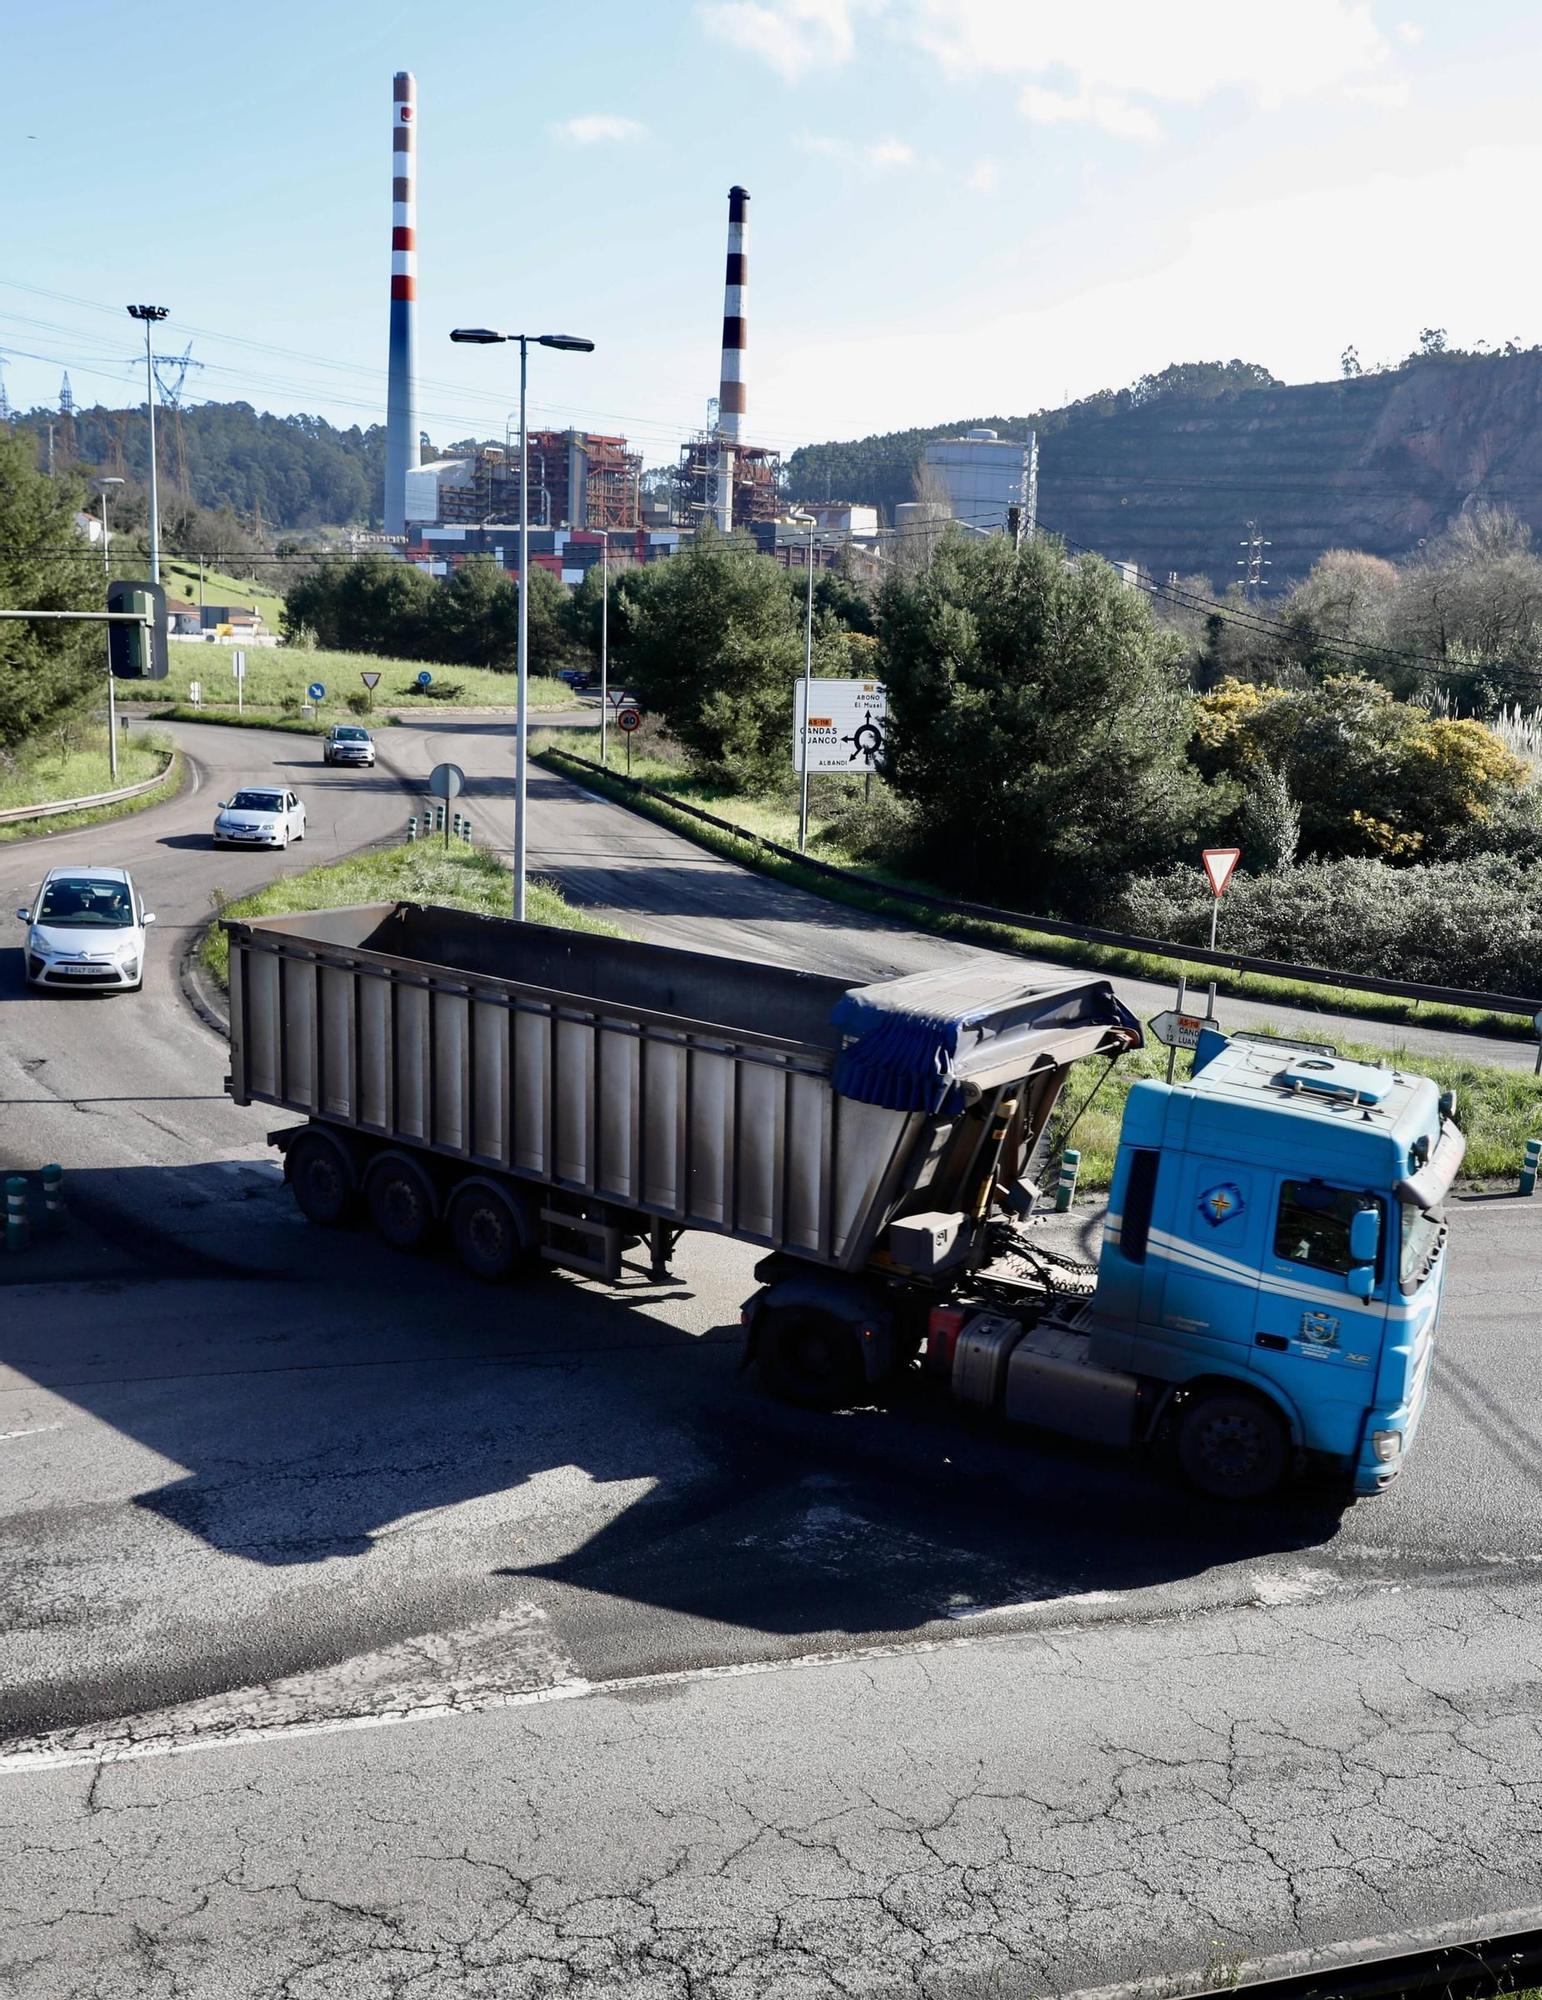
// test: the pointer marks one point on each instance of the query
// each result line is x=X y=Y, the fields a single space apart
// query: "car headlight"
x=36 y=945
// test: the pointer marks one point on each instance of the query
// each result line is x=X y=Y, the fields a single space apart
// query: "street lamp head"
x=110 y=480
x=570 y=343
x=149 y=312
x=478 y=336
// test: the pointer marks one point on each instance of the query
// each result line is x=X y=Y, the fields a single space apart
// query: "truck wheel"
x=487 y=1235
x=401 y=1204
x=1232 y=1447
x=808 y=1357
x=323 y=1187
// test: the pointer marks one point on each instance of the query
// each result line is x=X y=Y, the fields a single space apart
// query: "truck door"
x=1313 y=1336
x=1205 y=1263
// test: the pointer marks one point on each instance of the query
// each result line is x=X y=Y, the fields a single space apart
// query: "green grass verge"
x=762 y=819
x=275 y=674
x=180 y=581
x=464 y=878
x=292 y=725
x=41 y=771
x=139 y=759
x=1498 y=1109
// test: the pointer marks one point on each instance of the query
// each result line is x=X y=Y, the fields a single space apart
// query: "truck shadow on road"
x=332 y=1400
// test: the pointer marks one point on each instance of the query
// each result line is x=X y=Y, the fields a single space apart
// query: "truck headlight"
x=1386 y=1444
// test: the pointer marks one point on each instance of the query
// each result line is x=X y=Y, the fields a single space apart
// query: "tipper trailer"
x=1270 y=1272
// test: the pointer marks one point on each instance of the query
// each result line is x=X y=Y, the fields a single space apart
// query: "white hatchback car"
x=259 y=816
x=87 y=929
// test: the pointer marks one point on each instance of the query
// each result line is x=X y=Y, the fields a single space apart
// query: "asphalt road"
x=363 y=1632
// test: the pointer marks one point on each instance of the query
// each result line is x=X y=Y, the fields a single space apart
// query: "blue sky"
x=958 y=206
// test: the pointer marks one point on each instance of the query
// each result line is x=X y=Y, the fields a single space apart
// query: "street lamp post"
x=151 y=315
x=572 y=343
x=605 y=641
x=808 y=679
x=101 y=486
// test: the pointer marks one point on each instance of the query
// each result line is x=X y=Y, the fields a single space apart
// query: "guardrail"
x=15 y=813
x=1188 y=954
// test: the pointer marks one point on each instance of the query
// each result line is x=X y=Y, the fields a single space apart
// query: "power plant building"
x=577 y=479
x=984 y=475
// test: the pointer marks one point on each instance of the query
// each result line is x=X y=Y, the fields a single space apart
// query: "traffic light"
x=138 y=652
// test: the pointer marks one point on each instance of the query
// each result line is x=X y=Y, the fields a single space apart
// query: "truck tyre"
x=808 y=1357
x=490 y=1240
x=323 y=1186
x=1232 y=1446
x=401 y=1203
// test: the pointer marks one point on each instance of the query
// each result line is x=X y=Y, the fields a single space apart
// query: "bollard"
x=465 y=831
x=53 y=1194
x=1529 y=1166
x=17 y=1231
x=412 y=827
x=439 y=819
x=1070 y=1166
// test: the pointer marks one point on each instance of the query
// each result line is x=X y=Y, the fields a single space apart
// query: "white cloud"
x=1410 y=32
x=983 y=176
x=597 y=128
x=881 y=157
x=890 y=153
x=820 y=145
x=793 y=36
x=1108 y=112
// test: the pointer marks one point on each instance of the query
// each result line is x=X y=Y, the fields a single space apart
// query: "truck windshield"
x=1422 y=1231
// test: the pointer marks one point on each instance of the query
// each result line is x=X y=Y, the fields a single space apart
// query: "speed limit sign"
x=629 y=719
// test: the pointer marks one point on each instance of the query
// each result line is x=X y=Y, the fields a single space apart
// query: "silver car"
x=259 y=816
x=87 y=930
x=347 y=743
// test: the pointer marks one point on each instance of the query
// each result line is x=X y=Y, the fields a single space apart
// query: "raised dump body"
x=790 y=1109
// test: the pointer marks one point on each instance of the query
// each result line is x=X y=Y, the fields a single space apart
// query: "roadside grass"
x=276 y=674
x=292 y=725
x=464 y=878
x=35 y=779
x=1497 y=1109
x=768 y=819
x=180 y=580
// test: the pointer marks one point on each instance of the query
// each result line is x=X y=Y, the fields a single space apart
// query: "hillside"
x=1378 y=462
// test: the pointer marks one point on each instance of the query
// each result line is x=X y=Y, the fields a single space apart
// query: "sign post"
x=628 y=719
x=195 y=693
x=238 y=668
x=447 y=781
x=844 y=727
x=1220 y=864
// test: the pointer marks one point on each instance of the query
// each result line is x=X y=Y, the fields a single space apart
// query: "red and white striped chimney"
x=402 y=449
x=730 y=395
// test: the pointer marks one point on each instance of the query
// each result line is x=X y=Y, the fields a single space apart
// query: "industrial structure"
x=402 y=447
x=720 y=475
x=984 y=476
x=578 y=479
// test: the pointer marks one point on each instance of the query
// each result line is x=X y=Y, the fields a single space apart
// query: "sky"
x=958 y=207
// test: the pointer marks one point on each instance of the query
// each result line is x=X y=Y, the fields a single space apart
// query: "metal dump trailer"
x=554 y=1092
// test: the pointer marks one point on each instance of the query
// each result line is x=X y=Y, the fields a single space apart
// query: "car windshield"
x=351 y=735
x=256 y=802
x=82 y=901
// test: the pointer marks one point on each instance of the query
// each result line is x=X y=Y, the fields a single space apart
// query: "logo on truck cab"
x=1220 y=1203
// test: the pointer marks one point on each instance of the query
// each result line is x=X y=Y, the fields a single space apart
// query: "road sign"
x=1181 y=1031
x=845 y=726
x=425 y=679
x=371 y=681
x=1219 y=864
x=195 y=692
x=447 y=781
x=628 y=719
x=238 y=664
x=317 y=691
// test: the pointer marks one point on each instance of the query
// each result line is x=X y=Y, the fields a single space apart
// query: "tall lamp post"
x=605 y=640
x=808 y=678
x=151 y=315
x=101 y=486
x=571 y=343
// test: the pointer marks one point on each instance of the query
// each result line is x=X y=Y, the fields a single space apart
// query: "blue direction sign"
x=317 y=691
x=425 y=679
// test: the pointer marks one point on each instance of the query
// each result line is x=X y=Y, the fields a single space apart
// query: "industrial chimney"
x=735 y=325
x=401 y=388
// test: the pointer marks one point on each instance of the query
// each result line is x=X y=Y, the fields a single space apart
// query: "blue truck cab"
x=1274 y=1254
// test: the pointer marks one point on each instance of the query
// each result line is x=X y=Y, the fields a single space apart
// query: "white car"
x=260 y=816
x=87 y=929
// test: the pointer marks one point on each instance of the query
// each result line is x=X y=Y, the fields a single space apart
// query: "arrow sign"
x=425 y=679
x=317 y=691
x=1219 y=865
x=1181 y=1031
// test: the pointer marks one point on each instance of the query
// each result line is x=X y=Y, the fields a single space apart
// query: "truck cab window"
x=1313 y=1224
x=1139 y=1194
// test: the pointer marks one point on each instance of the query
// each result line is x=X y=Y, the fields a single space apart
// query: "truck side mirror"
x=1364 y=1235
x=1361 y=1280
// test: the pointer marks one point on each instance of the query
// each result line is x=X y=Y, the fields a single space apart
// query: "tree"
x=1037 y=723
x=1268 y=823
x=473 y=620
x=47 y=670
x=1474 y=601
x=373 y=605
x=712 y=642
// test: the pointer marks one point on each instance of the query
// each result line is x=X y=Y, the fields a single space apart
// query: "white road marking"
x=36 y=1430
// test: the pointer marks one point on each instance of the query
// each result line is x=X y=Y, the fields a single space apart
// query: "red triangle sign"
x=1219 y=863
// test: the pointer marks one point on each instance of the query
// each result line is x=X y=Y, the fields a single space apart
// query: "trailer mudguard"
x=846 y=1299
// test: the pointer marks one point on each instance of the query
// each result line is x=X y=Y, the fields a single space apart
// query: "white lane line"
x=36 y=1430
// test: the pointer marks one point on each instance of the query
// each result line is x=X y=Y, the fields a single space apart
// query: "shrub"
x=358 y=702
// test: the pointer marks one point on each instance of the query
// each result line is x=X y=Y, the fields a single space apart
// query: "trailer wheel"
x=1232 y=1446
x=323 y=1187
x=401 y=1203
x=808 y=1357
x=489 y=1239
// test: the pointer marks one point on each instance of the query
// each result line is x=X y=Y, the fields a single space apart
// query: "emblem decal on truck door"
x=1220 y=1203
x=1320 y=1329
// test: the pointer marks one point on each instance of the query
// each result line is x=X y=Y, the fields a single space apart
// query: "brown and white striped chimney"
x=730 y=395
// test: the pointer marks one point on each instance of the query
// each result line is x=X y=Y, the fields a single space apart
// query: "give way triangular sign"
x=1219 y=863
